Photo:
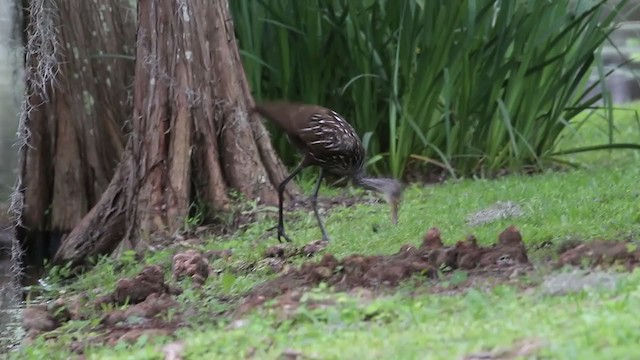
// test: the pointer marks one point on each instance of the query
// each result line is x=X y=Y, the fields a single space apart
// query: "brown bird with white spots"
x=328 y=141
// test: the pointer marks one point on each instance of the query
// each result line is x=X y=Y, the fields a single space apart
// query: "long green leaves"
x=473 y=85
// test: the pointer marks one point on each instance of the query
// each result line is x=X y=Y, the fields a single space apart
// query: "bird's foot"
x=325 y=235
x=282 y=234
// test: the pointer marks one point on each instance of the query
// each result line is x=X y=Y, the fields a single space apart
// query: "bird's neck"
x=370 y=183
x=390 y=188
x=358 y=175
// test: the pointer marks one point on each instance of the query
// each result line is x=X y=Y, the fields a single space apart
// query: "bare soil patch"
x=428 y=260
x=600 y=254
x=504 y=261
x=150 y=299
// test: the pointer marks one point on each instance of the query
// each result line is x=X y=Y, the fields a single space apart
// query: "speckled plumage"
x=326 y=140
x=323 y=135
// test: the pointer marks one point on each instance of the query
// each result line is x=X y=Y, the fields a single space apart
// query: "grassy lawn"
x=601 y=200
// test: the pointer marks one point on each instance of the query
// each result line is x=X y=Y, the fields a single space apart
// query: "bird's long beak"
x=394 y=212
x=394 y=202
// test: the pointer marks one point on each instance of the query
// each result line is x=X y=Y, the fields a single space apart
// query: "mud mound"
x=191 y=264
x=600 y=253
x=134 y=290
x=153 y=305
x=150 y=297
x=430 y=258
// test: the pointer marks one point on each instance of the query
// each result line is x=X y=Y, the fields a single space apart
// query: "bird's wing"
x=328 y=132
x=332 y=141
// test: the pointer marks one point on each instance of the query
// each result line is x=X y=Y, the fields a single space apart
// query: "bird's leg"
x=314 y=204
x=281 y=187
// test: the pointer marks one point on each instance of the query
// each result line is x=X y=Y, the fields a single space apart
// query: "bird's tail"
x=278 y=113
x=262 y=110
x=254 y=110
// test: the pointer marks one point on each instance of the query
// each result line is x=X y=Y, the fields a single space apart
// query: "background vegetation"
x=471 y=87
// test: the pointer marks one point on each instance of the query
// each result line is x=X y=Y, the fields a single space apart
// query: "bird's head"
x=391 y=189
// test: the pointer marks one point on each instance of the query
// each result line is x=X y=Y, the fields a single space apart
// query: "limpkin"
x=328 y=141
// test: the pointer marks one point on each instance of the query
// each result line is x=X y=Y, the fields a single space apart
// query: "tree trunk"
x=192 y=138
x=75 y=108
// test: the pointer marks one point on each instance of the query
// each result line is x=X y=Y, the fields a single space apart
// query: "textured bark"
x=35 y=164
x=243 y=157
x=192 y=138
x=102 y=229
x=190 y=117
x=75 y=110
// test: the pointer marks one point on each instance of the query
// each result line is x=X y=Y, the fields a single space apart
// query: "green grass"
x=594 y=324
x=591 y=128
x=601 y=200
x=585 y=326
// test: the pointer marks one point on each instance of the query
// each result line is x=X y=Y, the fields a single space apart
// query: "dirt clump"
x=600 y=253
x=37 y=319
x=375 y=271
x=61 y=309
x=314 y=247
x=73 y=306
x=279 y=251
x=191 y=264
x=149 y=296
x=153 y=305
x=134 y=290
x=45 y=317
